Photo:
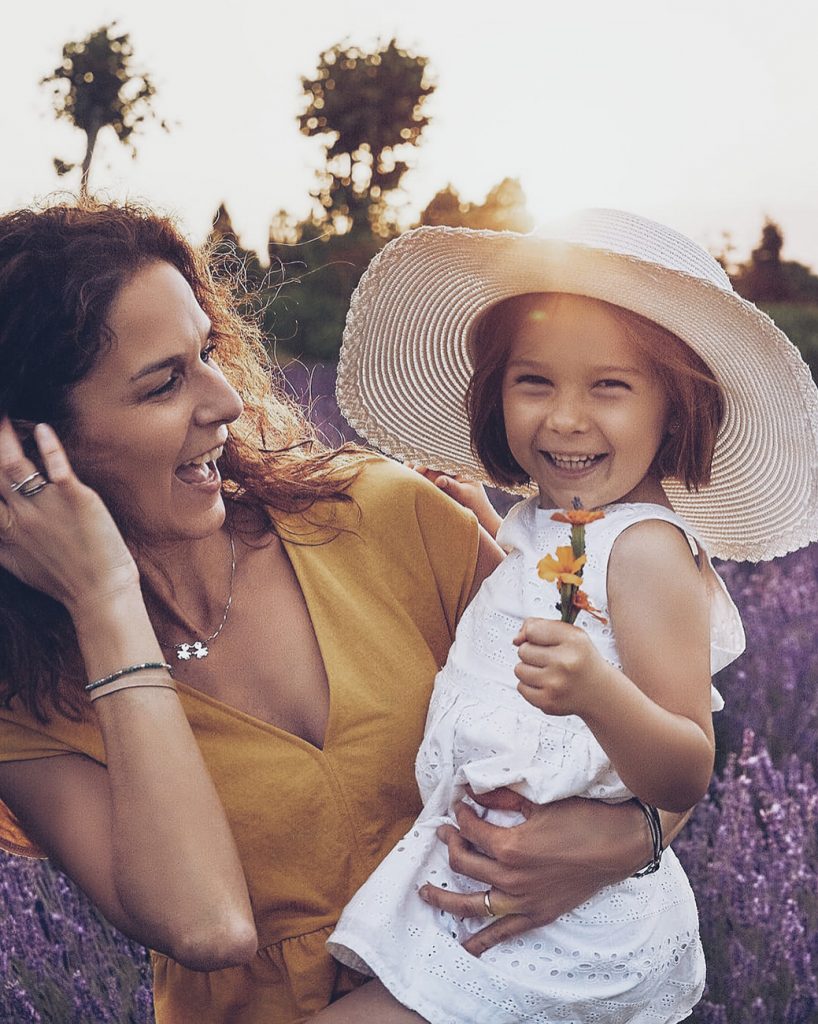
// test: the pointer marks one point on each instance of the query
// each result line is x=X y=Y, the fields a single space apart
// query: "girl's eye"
x=609 y=384
x=532 y=378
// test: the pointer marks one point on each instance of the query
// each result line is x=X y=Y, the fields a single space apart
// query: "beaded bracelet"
x=656 y=838
x=141 y=667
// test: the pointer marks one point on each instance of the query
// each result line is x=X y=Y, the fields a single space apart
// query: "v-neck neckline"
x=191 y=691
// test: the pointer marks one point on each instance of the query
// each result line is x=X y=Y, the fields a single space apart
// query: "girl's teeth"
x=573 y=461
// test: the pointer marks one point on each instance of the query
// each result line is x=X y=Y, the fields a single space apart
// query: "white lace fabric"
x=632 y=952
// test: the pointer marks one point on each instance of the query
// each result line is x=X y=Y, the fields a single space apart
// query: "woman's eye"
x=207 y=351
x=163 y=389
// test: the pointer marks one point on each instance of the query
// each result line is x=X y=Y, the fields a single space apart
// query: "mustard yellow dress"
x=385 y=596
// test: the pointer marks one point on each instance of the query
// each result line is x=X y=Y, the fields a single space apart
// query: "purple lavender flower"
x=751 y=852
x=60 y=961
x=751 y=849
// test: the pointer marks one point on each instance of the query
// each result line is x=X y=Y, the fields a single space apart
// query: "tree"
x=95 y=87
x=763 y=278
x=230 y=256
x=313 y=272
x=369 y=110
x=504 y=209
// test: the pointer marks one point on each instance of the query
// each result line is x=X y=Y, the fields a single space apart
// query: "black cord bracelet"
x=656 y=837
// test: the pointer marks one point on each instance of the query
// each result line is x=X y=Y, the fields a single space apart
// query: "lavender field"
x=751 y=849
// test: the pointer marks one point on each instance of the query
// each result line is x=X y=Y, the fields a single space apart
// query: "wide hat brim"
x=405 y=365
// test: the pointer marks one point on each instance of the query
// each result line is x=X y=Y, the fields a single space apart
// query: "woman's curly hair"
x=62 y=266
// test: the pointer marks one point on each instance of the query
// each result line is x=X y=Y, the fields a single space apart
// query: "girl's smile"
x=584 y=413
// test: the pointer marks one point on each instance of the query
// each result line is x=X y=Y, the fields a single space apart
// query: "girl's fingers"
x=535 y=655
x=502 y=800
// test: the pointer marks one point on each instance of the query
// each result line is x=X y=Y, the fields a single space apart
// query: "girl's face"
x=584 y=413
x=150 y=419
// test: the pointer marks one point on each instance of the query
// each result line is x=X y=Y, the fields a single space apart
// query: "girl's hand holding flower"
x=560 y=671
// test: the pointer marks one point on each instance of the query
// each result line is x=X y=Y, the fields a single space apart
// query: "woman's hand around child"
x=466 y=492
x=61 y=539
x=560 y=671
x=555 y=860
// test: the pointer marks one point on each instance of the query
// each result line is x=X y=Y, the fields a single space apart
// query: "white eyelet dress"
x=632 y=952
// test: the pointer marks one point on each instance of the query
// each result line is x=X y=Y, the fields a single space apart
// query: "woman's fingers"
x=501 y=930
x=14 y=466
x=471 y=904
x=506 y=923
x=466 y=860
x=55 y=461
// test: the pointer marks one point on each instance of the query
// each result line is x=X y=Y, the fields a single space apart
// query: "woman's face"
x=150 y=420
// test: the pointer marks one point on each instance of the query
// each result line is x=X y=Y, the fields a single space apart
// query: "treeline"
x=369 y=111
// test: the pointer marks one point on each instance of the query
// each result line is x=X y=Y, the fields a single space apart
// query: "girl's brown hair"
x=696 y=403
x=61 y=268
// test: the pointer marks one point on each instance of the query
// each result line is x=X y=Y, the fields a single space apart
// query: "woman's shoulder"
x=387 y=493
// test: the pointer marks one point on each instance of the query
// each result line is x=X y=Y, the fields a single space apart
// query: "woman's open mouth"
x=202 y=469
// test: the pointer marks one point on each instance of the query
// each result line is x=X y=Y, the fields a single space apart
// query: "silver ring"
x=487 y=903
x=33 y=484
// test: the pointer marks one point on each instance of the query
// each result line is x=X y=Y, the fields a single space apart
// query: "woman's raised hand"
x=556 y=859
x=55 y=533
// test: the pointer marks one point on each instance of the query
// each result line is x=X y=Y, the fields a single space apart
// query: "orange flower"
x=582 y=602
x=562 y=570
x=579 y=516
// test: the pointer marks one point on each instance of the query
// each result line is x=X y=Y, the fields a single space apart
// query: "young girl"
x=609 y=364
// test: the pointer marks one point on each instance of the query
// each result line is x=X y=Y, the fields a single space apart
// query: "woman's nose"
x=219 y=402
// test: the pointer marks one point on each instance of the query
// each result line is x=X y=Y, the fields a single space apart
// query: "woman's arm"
x=555 y=860
x=147 y=838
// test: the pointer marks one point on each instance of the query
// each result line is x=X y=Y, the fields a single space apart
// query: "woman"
x=223 y=815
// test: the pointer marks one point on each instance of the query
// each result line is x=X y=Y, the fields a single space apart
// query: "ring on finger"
x=487 y=903
x=31 y=485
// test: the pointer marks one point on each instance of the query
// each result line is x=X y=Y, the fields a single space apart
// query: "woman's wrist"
x=115 y=632
x=612 y=840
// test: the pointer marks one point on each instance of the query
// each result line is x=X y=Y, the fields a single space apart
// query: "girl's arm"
x=147 y=838
x=653 y=718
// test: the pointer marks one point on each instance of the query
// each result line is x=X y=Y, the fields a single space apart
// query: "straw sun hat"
x=405 y=367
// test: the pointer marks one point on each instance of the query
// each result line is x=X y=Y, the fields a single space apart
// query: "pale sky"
x=702 y=113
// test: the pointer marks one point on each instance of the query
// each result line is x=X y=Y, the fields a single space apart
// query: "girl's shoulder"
x=527 y=520
x=648 y=546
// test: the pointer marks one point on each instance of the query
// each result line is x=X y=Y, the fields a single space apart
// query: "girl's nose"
x=565 y=414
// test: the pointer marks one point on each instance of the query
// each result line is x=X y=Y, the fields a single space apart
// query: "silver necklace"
x=198 y=648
